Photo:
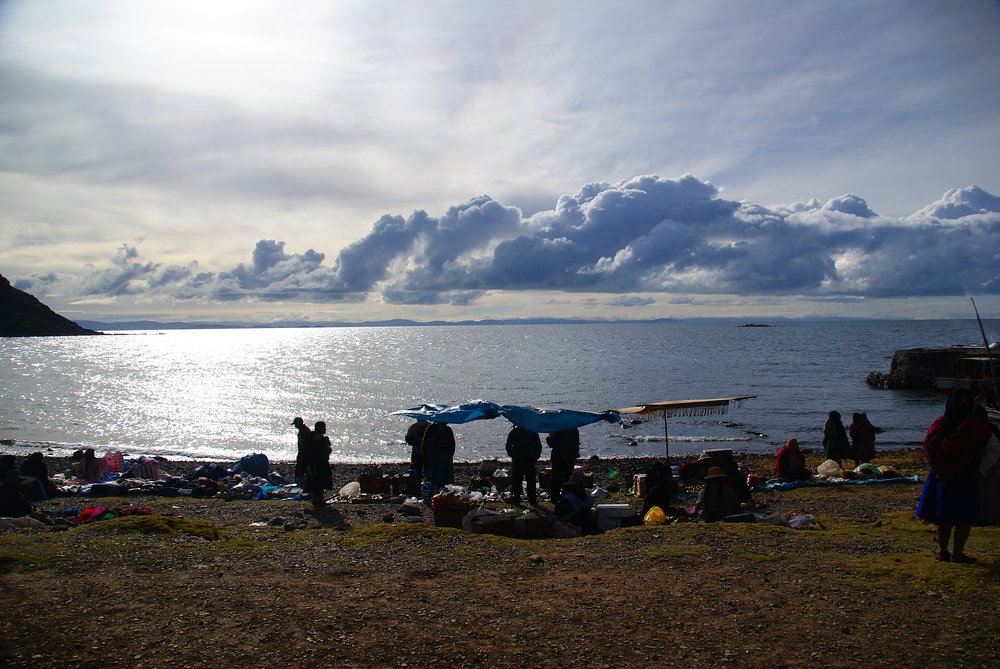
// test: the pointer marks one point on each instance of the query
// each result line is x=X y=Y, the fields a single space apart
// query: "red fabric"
x=952 y=455
x=790 y=464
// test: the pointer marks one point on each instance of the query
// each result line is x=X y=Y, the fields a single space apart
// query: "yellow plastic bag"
x=655 y=516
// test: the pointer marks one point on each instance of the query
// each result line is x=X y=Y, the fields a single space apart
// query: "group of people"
x=312 y=460
x=432 y=452
x=856 y=442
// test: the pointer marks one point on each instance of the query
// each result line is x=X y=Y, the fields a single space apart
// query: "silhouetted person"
x=836 y=446
x=317 y=471
x=716 y=500
x=34 y=467
x=415 y=438
x=304 y=441
x=565 y=447
x=439 y=454
x=524 y=449
x=862 y=438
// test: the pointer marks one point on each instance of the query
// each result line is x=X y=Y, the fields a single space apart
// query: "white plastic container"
x=609 y=516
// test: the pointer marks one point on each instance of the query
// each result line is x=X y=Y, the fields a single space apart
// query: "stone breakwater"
x=917 y=368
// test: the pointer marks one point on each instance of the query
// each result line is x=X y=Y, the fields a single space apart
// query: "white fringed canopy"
x=717 y=406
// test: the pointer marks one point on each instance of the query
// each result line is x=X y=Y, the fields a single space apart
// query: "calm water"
x=223 y=393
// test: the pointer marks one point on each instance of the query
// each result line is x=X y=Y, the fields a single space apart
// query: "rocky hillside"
x=21 y=315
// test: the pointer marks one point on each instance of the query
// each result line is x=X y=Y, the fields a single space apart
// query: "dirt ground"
x=275 y=583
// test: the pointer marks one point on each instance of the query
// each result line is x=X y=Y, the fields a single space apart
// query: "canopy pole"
x=666 y=436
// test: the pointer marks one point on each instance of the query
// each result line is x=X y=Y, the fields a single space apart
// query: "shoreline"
x=608 y=473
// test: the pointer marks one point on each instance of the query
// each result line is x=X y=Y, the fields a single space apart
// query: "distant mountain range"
x=402 y=322
x=22 y=315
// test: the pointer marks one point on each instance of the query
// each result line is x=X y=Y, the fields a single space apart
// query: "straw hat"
x=715 y=473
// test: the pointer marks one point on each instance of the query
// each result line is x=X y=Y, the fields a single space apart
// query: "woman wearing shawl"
x=952 y=448
x=836 y=446
x=862 y=437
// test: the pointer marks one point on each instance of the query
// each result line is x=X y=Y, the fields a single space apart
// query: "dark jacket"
x=565 y=445
x=523 y=445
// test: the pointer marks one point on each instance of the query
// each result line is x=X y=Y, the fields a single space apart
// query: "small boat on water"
x=968 y=372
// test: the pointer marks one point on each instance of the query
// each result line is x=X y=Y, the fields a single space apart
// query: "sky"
x=436 y=160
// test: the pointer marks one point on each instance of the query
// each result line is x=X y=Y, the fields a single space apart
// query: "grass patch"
x=673 y=550
x=168 y=526
x=373 y=535
x=33 y=552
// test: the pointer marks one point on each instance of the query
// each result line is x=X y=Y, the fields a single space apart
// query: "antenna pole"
x=986 y=343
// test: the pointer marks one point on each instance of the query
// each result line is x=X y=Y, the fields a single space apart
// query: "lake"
x=219 y=394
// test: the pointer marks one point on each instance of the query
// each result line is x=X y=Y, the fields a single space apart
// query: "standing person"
x=836 y=446
x=790 y=464
x=305 y=438
x=439 y=454
x=952 y=448
x=524 y=449
x=415 y=438
x=862 y=438
x=317 y=465
x=565 y=446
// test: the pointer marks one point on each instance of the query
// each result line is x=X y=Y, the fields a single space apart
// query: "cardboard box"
x=499 y=524
x=450 y=517
x=639 y=485
x=531 y=525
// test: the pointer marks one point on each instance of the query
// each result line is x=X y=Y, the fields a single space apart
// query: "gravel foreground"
x=215 y=583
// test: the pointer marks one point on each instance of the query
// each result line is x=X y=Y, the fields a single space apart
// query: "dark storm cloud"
x=643 y=235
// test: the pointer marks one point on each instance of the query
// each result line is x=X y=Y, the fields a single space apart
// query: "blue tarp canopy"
x=529 y=418
x=444 y=413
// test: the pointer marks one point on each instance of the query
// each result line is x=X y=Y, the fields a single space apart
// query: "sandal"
x=962 y=558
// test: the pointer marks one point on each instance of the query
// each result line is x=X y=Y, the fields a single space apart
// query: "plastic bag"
x=867 y=470
x=655 y=516
x=352 y=489
x=830 y=469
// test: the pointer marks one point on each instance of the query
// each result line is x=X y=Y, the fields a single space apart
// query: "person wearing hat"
x=716 y=499
x=305 y=439
x=790 y=464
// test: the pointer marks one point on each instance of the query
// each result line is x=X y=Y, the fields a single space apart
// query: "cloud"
x=641 y=236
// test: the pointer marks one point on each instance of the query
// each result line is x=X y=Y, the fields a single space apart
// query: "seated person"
x=661 y=489
x=576 y=504
x=89 y=467
x=790 y=464
x=13 y=502
x=736 y=479
x=34 y=467
x=716 y=499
